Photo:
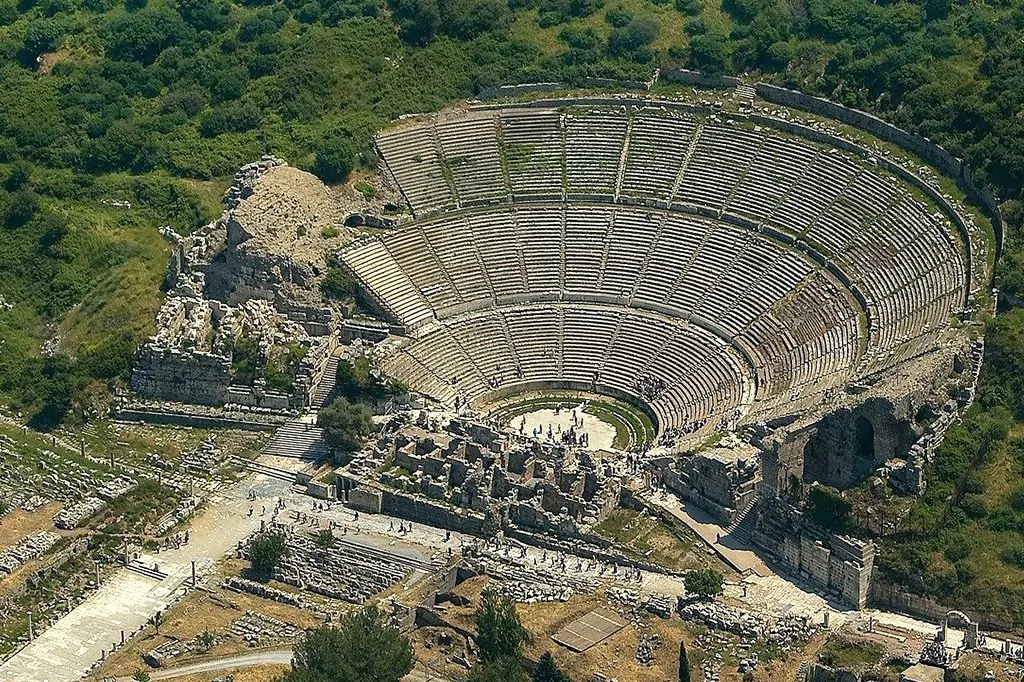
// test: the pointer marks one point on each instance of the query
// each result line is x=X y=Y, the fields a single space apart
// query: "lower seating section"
x=689 y=377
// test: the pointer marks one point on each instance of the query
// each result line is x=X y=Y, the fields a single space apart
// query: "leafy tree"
x=505 y=669
x=335 y=156
x=266 y=552
x=140 y=36
x=324 y=539
x=231 y=118
x=710 y=52
x=631 y=39
x=42 y=35
x=156 y=620
x=140 y=675
x=364 y=647
x=500 y=634
x=339 y=284
x=826 y=507
x=547 y=670
x=618 y=16
x=684 y=663
x=346 y=425
x=704 y=583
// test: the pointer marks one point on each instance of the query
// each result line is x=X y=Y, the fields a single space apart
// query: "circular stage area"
x=601 y=422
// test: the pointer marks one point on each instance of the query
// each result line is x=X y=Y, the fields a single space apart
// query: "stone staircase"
x=326 y=386
x=743 y=525
x=298 y=440
x=136 y=566
x=266 y=470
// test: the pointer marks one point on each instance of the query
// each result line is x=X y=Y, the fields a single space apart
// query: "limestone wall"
x=180 y=376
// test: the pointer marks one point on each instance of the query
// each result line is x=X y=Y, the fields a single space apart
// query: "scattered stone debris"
x=73 y=516
x=26 y=549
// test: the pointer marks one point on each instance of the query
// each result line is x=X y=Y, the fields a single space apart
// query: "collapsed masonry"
x=249 y=280
x=472 y=468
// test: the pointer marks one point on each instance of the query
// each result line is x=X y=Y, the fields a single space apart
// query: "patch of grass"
x=649 y=539
x=840 y=652
x=366 y=189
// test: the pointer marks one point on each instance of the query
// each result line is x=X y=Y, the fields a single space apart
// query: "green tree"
x=266 y=552
x=500 y=633
x=710 y=52
x=140 y=675
x=335 y=156
x=826 y=507
x=364 y=647
x=684 y=663
x=339 y=284
x=324 y=539
x=704 y=583
x=547 y=670
x=346 y=425
x=505 y=669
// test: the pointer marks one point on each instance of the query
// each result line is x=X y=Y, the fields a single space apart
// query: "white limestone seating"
x=548 y=272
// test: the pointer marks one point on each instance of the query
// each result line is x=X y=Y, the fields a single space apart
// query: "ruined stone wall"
x=841 y=565
x=188 y=377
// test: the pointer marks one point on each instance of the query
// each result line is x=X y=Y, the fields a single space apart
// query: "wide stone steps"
x=266 y=470
x=137 y=566
x=298 y=440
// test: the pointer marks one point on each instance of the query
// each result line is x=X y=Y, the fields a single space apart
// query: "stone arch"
x=864 y=438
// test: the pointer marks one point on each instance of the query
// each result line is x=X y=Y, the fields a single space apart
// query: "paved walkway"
x=736 y=554
x=280 y=657
x=69 y=649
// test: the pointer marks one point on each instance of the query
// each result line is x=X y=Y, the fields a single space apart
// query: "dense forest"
x=117 y=116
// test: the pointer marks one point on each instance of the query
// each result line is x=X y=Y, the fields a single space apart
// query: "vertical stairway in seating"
x=326 y=386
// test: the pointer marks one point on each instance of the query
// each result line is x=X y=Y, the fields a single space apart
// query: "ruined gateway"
x=788 y=305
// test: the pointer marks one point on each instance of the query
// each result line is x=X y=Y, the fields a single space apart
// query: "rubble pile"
x=115 y=488
x=717 y=616
x=26 y=549
x=646 y=648
x=257 y=629
x=661 y=605
x=178 y=514
x=790 y=630
x=71 y=517
x=346 y=571
x=265 y=591
x=533 y=592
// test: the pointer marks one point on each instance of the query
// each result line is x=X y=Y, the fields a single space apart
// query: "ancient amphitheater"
x=713 y=269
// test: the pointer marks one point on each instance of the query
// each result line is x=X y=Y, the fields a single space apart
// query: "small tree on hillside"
x=684 y=663
x=507 y=669
x=266 y=552
x=704 y=583
x=547 y=670
x=335 y=156
x=364 y=647
x=500 y=634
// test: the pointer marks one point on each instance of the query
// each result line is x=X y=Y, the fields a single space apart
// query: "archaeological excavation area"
x=570 y=350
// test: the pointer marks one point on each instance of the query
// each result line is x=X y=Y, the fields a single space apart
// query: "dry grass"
x=19 y=523
x=256 y=673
